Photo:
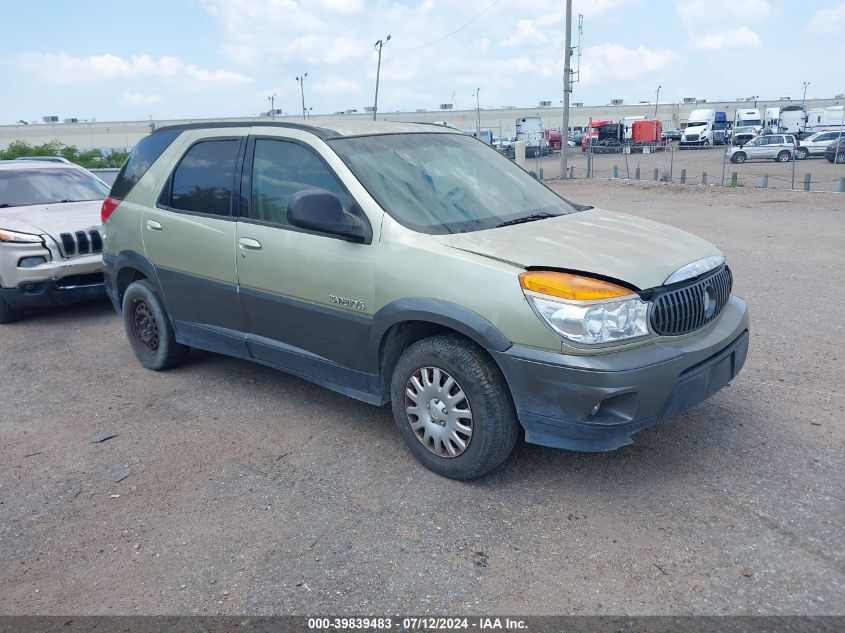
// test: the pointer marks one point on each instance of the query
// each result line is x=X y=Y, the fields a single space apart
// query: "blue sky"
x=205 y=58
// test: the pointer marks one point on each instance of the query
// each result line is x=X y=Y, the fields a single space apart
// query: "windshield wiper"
x=528 y=218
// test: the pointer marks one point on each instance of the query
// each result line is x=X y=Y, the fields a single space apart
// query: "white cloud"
x=138 y=99
x=334 y=84
x=62 y=68
x=828 y=20
x=742 y=37
x=615 y=62
x=708 y=29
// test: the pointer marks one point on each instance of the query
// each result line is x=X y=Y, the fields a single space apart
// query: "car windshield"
x=22 y=187
x=696 y=124
x=751 y=122
x=446 y=183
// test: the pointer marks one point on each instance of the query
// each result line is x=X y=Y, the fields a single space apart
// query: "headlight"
x=585 y=310
x=14 y=236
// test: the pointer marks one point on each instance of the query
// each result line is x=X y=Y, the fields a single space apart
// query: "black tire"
x=739 y=158
x=493 y=418
x=7 y=313
x=801 y=153
x=148 y=328
x=784 y=157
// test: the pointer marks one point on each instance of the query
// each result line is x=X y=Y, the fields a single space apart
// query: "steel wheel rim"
x=438 y=412
x=144 y=325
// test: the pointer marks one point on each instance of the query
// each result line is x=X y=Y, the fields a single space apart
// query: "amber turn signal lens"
x=569 y=286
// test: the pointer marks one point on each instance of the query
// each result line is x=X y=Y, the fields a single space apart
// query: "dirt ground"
x=824 y=176
x=250 y=491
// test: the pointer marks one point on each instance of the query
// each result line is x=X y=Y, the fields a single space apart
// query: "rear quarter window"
x=141 y=158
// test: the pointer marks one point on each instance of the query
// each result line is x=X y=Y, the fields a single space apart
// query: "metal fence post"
x=616 y=171
x=724 y=162
x=764 y=181
x=637 y=173
x=572 y=172
x=684 y=176
x=734 y=179
x=672 y=164
x=842 y=185
x=656 y=175
x=704 y=178
x=808 y=178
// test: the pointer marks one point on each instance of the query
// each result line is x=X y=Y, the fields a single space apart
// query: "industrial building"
x=121 y=135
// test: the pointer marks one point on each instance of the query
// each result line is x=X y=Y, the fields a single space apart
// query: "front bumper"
x=555 y=394
x=39 y=294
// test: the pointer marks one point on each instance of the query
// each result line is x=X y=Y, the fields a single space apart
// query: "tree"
x=90 y=159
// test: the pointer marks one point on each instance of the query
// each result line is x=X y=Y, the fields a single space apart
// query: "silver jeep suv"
x=50 y=240
x=779 y=147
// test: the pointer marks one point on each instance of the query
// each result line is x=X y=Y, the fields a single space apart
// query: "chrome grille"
x=692 y=137
x=678 y=310
x=81 y=243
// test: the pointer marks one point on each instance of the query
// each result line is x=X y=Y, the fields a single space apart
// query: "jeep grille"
x=81 y=243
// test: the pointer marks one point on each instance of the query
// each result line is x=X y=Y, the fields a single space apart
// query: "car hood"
x=52 y=219
x=639 y=252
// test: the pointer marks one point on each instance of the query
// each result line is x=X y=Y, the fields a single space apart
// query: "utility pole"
x=477 y=112
x=301 y=81
x=657 y=101
x=379 y=45
x=567 y=89
x=272 y=100
x=804 y=100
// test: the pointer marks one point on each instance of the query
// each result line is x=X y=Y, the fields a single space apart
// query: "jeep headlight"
x=585 y=310
x=14 y=236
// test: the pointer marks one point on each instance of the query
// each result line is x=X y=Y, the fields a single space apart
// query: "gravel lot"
x=824 y=176
x=254 y=492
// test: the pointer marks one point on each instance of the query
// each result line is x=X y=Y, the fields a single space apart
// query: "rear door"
x=307 y=297
x=190 y=237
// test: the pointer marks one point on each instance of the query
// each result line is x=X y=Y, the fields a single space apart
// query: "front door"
x=190 y=236
x=307 y=297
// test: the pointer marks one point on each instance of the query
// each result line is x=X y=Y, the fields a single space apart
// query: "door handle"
x=249 y=244
x=152 y=225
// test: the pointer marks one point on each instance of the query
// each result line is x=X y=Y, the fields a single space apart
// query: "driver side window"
x=283 y=168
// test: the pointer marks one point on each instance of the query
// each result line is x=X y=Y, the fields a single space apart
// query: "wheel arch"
x=129 y=267
x=402 y=323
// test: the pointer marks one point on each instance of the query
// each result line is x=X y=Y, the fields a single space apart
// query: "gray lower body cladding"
x=556 y=395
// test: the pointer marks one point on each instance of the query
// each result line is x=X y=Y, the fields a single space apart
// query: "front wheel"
x=453 y=408
x=148 y=328
x=783 y=157
x=739 y=157
x=840 y=159
x=801 y=153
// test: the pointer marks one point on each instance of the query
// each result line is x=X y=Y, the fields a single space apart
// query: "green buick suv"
x=413 y=265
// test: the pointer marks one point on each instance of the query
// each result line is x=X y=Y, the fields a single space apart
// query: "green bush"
x=90 y=159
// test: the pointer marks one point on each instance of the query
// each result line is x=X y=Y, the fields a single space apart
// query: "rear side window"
x=141 y=158
x=205 y=178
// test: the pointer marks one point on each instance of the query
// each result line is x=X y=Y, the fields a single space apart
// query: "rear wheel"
x=739 y=157
x=784 y=156
x=148 y=328
x=7 y=312
x=453 y=408
x=840 y=158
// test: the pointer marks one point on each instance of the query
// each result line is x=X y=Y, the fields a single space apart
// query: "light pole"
x=379 y=45
x=272 y=100
x=301 y=81
x=657 y=101
x=567 y=89
x=804 y=100
x=477 y=112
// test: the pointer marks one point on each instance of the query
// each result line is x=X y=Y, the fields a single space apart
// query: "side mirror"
x=320 y=210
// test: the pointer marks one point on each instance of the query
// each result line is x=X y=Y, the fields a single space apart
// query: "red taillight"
x=109 y=205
